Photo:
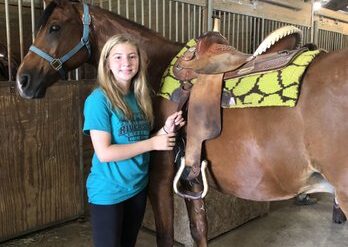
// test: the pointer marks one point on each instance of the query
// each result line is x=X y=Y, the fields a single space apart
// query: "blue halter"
x=57 y=63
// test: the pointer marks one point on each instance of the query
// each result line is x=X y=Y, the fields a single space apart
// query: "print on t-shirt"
x=136 y=129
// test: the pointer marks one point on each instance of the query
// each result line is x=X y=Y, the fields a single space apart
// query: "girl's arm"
x=107 y=152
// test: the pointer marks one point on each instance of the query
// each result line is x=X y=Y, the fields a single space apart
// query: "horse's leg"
x=340 y=207
x=198 y=219
x=161 y=196
x=337 y=214
x=340 y=202
x=160 y=181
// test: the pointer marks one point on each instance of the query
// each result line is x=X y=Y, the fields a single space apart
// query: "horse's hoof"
x=338 y=216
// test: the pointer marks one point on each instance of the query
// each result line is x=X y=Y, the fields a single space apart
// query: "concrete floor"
x=287 y=225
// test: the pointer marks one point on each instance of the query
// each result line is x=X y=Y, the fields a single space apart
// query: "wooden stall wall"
x=42 y=157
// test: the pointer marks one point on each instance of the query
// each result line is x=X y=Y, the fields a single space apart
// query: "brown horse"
x=261 y=154
x=4 y=64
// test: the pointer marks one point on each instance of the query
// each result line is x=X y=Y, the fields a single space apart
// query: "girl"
x=118 y=117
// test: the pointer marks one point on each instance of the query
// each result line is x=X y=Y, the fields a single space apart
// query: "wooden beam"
x=330 y=26
x=195 y=2
x=332 y=15
x=269 y=11
x=296 y=5
x=333 y=25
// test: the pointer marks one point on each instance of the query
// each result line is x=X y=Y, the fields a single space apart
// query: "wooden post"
x=210 y=14
x=217 y=24
x=312 y=21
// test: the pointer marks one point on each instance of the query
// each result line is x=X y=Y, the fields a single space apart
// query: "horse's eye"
x=54 y=28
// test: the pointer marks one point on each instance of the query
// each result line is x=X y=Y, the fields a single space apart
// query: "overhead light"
x=317 y=6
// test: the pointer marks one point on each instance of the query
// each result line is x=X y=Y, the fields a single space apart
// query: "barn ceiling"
x=337 y=5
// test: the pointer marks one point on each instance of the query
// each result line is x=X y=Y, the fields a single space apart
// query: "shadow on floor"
x=287 y=225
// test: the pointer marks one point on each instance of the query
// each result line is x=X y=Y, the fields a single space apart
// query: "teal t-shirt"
x=113 y=182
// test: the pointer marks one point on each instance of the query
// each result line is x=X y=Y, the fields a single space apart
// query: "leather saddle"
x=206 y=65
x=213 y=55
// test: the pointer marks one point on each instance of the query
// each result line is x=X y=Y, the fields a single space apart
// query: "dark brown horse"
x=262 y=154
x=4 y=64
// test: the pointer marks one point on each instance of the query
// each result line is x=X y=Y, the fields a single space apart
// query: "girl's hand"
x=163 y=142
x=174 y=122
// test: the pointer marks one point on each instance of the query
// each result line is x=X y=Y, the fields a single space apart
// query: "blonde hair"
x=112 y=89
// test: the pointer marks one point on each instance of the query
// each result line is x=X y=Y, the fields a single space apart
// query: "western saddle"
x=202 y=70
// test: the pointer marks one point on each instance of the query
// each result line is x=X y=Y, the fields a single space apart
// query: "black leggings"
x=118 y=225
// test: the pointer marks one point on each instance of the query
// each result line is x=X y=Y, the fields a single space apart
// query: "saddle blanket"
x=279 y=87
x=169 y=83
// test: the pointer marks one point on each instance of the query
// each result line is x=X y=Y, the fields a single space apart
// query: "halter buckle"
x=56 y=64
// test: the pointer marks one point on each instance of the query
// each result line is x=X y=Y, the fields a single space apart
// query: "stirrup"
x=191 y=195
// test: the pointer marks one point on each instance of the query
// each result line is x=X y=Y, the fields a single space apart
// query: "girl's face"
x=124 y=63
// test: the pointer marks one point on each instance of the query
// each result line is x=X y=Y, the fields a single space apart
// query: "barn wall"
x=42 y=154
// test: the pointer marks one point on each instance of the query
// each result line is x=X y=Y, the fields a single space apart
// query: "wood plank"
x=41 y=178
x=333 y=15
x=296 y=5
x=332 y=21
x=87 y=150
x=333 y=26
x=269 y=11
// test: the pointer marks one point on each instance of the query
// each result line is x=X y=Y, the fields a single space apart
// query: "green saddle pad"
x=169 y=83
x=272 y=88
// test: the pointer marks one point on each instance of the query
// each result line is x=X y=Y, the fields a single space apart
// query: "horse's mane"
x=46 y=14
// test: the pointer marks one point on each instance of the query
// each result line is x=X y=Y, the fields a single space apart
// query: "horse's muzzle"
x=25 y=89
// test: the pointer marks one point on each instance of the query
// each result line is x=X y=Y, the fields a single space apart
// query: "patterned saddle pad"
x=279 y=87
